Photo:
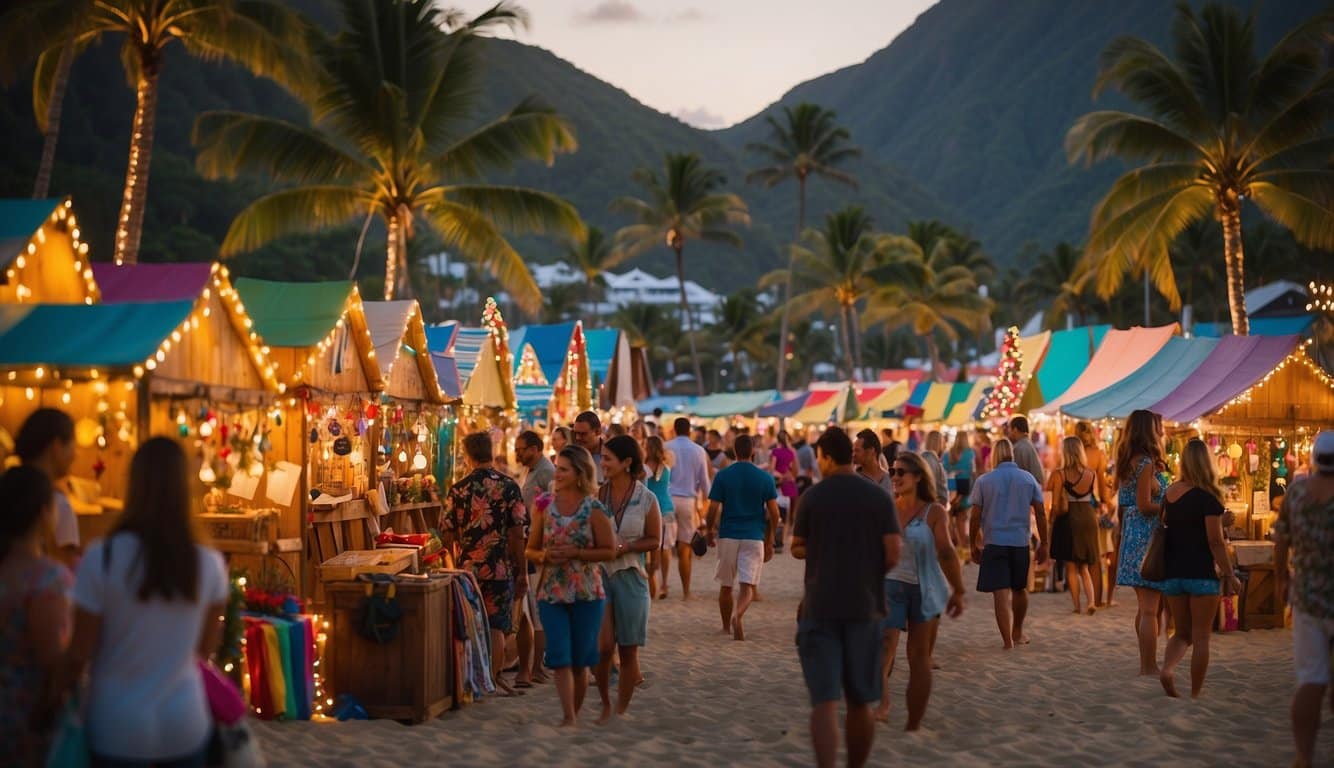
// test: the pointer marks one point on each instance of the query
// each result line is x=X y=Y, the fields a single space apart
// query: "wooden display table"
x=412 y=676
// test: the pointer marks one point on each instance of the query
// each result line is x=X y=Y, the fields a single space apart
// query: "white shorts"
x=739 y=561
x=685 y=518
x=668 y=531
x=1312 y=643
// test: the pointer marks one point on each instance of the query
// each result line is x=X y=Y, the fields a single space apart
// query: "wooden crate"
x=347 y=565
x=413 y=676
x=1261 y=608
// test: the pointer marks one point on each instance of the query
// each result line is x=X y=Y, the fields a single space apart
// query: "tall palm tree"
x=831 y=271
x=929 y=297
x=740 y=329
x=806 y=142
x=684 y=204
x=264 y=36
x=394 y=94
x=1220 y=127
x=593 y=257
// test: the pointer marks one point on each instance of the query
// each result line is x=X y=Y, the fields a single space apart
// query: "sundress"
x=1136 y=530
x=21 y=679
x=572 y=580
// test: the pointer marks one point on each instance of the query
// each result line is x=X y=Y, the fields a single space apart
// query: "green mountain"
x=974 y=100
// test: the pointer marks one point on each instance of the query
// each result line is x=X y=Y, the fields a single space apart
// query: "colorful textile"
x=21 y=678
x=1308 y=527
x=472 y=631
x=280 y=660
x=273 y=677
x=1136 y=530
x=480 y=511
x=574 y=579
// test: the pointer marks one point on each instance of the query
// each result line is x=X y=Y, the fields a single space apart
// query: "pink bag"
x=224 y=698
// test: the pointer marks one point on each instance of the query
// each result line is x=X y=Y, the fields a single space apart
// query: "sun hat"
x=1322 y=453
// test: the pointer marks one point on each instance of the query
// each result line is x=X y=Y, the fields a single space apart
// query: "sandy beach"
x=1071 y=698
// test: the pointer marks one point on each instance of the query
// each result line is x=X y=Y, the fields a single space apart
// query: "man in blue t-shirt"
x=743 y=514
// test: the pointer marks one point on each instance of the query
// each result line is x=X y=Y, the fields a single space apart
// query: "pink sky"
x=711 y=62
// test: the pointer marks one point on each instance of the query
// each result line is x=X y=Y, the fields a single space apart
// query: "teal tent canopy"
x=549 y=343
x=601 y=346
x=1175 y=363
x=1260 y=326
x=731 y=403
x=1067 y=356
x=19 y=219
x=86 y=336
x=293 y=314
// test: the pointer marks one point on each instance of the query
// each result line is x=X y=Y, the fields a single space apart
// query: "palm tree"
x=927 y=296
x=593 y=257
x=1221 y=127
x=394 y=90
x=264 y=36
x=741 y=330
x=831 y=270
x=684 y=205
x=649 y=326
x=806 y=142
x=1059 y=279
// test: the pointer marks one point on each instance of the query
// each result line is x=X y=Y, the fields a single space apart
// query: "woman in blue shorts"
x=927 y=580
x=1196 y=556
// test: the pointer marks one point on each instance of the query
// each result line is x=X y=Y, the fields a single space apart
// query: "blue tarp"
x=549 y=342
x=785 y=408
x=467 y=345
x=447 y=372
x=78 y=335
x=439 y=337
x=1260 y=326
x=601 y=346
x=19 y=219
x=533 y=399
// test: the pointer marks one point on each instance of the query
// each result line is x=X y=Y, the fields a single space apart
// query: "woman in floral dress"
x=1139 y=464
x=570 y=535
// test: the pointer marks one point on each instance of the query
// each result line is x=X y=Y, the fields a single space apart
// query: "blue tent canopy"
x=447 y=373
x=1153 y=381
x=79 y=335
x=601 y=346
x=549 y=343
x=468 y=344
x=785 y=408
x=730 y=403
x=439 y=337
x=19 y=219
x=1067 y=356
x=1260 y=326
x=668 y=403
x=533 y=399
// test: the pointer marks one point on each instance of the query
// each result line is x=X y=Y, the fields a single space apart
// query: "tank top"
x=661 y=484
x=920 y=552
x=630 y=526
x=573 y=580
x=1072 y=493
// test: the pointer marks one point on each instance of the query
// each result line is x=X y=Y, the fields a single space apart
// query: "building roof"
x=19 y=219
x=1259 y=298
x=151 y=282
x=294 y=314
x=86 y=336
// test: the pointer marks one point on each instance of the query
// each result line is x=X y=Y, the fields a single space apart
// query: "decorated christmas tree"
x=1009 y=388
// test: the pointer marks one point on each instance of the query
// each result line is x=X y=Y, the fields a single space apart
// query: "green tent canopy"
x=293 y=314
x=86 y=336
x=19 y=219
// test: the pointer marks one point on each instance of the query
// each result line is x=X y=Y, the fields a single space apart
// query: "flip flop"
x=522 y=684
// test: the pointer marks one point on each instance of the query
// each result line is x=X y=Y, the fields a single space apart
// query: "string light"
x=1008 y=388
x=1322 y=297
x=61 y=220
x=1298 y=357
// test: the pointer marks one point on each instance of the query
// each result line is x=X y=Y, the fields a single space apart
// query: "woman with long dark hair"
x=148 y=599
x=658 y=478
x=34 y=612
x=1139 y=460
x=637 y=526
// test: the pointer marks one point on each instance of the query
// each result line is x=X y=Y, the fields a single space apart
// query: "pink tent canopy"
x=1121 y=354
x=151 y=282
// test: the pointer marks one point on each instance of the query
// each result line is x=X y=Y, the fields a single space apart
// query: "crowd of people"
x=572 y=549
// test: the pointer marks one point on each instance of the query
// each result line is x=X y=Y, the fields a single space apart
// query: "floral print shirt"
x=480 y=512
x=574 y=580
x=1308 y=527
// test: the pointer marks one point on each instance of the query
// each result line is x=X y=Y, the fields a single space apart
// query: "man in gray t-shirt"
x=536 y=480
x=1025 y=453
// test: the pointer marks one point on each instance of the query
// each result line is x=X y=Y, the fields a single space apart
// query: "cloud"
x=612 y=12
x=689 y=14
x=701 y=117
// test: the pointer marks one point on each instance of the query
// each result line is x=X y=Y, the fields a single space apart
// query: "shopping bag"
x=224 y=699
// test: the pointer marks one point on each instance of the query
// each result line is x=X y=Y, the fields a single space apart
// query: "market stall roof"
x=550 y=344
x=294 y=314
x=601 y=345
x=86 y=336
x=784 y=408
x=1175 y=363
x=533 y=400
x=151 y=282
x=468 y=343
x=910 y=375
x=1235 y=365
x=20 y=218
x=1120 y=354
x=441 y=337
x=881 y=397
x=1261 y=326
x=42 y=258
x=447 y=373
x=1067 y=356
x=486 y=386
x=397 y=332
x=822 y=405
x=731 y=403
x=964 y=400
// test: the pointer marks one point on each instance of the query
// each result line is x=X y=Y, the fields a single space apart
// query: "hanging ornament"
x=1234 y=451
x=314 y=435
x=361 y=426
x=419 y=461
x=205 y=429
x=335 y=429
x=99 y=467
x=402 y=456
x=206 y=474
x=372 y=411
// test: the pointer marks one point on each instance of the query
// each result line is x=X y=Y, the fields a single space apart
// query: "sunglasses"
x=899 y=472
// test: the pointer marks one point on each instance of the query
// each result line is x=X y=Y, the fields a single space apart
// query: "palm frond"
x=30 y=28
x=233 y=144
x=514 y=209
x=1141 y=183
x=1301 y=120
x=1099 y=135
x=267 y=38
x=1145 y=74
x=1311 y=221
x=478 y=240
x=292 y=211
x=531 y=130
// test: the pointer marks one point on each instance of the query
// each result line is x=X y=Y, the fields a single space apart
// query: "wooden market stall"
x=43 y=257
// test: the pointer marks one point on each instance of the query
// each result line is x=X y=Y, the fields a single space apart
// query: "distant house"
x=639 y=287
x=1281 y=298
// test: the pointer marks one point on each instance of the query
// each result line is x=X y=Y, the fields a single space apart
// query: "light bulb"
x=206 y=474
x=402 y=456
x=419 y=461
x=256 y=468
x=206 y=429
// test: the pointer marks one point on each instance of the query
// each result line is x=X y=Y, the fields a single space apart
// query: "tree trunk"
x=131 y=222
x=391 y=258
x=933 y=352
x=845 y=331
x=53 y=112
x=787 y=288
x=592 y=311
x=1229 y=213
x=855 y=330
x=689 y=318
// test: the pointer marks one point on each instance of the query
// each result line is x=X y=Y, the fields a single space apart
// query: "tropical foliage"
x=1220 y=127
x=805 y=143
x=592 y=256
x=389 y=109
x=686 y=203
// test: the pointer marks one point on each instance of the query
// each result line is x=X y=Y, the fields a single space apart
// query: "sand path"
x=1071 y=698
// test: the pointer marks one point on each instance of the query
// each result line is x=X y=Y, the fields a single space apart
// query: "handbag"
x=699 y=544
x=1154 y=567
x=69 y=748
x=225 y=702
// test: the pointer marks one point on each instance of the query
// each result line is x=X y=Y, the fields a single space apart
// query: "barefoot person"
x=658 y=478
x=928 y=580
x=846 y=531
x=637 y=525
x=689 y=484
x=483 y=521
x=1305 y=532
x=570 y=535
x=742 y=520
x=1000 y=532
x=1197 y=562
x=1139 y=458
x=1074 y=526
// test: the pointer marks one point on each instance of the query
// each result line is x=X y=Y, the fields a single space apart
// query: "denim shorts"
x=905 y=605
x=839 y=657
x=572 y=632
x=1193 y=587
